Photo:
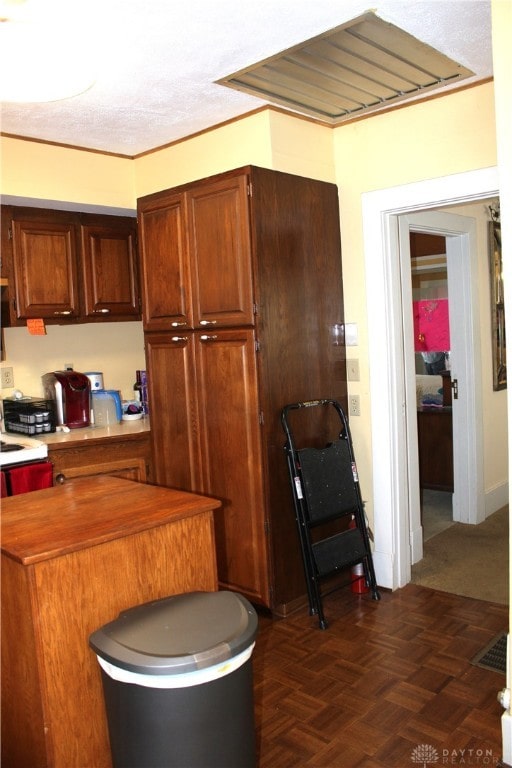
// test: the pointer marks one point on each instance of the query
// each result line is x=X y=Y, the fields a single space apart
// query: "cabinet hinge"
x=249 y=188
x=9 y=233
x=257 y=345
x=261 y=418
x=255 y=309
x=266 y=526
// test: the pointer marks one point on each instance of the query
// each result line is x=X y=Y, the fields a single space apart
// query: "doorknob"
x=455 y=387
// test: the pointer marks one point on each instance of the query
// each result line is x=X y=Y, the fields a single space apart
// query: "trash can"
x=177 y=681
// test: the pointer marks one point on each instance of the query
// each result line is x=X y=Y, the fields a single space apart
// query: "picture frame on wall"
x=499 y=345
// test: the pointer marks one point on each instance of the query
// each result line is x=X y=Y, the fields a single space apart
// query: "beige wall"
x=117 y=349
x=269 y=139
x=230 y=146
x=32 y=170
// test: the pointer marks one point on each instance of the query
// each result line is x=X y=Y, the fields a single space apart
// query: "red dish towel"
x=31 y=477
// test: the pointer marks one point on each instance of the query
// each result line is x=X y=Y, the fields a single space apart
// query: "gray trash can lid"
x=178 y=634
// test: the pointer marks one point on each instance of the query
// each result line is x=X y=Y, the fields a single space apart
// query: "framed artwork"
x=499 y=345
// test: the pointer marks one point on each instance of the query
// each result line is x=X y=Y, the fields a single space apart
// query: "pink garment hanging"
x=431 y=326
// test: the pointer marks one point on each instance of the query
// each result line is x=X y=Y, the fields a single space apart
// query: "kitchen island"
x=73 y=557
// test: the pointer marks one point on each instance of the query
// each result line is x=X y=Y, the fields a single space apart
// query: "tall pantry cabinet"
x=242 y=310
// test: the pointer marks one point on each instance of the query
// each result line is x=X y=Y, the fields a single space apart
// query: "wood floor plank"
x=384 y=678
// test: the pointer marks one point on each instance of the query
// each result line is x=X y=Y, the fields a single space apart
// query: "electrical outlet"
x=354 y=407
x=352 y=370
x=7 y=377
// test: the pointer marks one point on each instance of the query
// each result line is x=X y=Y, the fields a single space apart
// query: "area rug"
x=468 y=560
x=494 y=655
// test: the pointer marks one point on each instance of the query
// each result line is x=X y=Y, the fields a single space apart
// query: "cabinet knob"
x=177 y=324
x=63 y=312
x=104 y=311
x=60 y=478
x=178 y=338
x=208 y=338
x=207 y=322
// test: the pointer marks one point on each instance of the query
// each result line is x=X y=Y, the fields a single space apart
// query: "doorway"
x=462 y=273
x=431 y=309
x=397 y=532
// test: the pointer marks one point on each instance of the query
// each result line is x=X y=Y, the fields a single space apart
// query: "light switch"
x=353 y=370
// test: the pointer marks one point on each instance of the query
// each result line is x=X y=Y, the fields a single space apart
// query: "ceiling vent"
x=355 y=68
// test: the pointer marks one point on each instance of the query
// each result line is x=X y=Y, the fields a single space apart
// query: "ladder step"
x=338 y=551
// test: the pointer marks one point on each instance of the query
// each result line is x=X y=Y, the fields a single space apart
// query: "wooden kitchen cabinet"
x=213 y=415
x=109 y=269
x=243 y=314
x=126 y=456
x=45 y=269
x=196 y=256
x=176 y=457
x=69 y=267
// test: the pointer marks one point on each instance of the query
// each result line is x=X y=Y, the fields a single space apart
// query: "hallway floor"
x=389 y=684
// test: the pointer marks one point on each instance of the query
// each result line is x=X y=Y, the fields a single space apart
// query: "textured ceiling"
x=156 y=64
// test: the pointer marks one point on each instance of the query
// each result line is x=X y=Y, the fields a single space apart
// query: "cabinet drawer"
x=121 y=458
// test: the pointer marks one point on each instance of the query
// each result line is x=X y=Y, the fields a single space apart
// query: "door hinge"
x=455 y=387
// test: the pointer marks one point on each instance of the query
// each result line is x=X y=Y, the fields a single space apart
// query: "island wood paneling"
x=52 y=600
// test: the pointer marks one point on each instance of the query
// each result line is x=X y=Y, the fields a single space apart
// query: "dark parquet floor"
x=389 y=684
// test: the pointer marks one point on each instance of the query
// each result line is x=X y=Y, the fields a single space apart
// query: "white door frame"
x=381 y=209
x=462 y=273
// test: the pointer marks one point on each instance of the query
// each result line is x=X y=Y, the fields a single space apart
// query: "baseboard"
x=506 y=739
x=496 y=498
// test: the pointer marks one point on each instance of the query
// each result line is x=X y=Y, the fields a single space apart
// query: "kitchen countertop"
x=126 y=429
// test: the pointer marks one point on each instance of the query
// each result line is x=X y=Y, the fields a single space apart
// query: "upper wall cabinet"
x=67 y=267
x=196 y=256
x=109 y=268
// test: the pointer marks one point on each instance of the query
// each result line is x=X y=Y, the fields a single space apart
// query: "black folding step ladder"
x=325 y=487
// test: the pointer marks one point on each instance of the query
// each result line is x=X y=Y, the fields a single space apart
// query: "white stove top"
x=30 y=449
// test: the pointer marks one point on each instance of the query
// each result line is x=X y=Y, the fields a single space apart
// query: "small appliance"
x=29 y=415
x=106 y=407
x=71 y=392
x=96 y=379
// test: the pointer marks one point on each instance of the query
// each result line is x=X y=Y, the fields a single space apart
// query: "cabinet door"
x=231 y=451
x=170 y=362
x=44 y=255
x=165 y=265
x=220 y=247
x=109 y=263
